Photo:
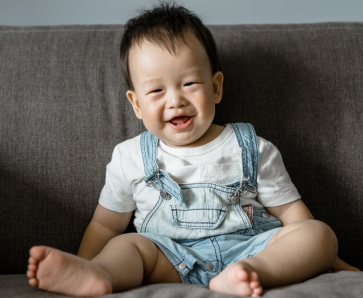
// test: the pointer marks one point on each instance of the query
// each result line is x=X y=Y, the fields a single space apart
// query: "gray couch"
x=63 y=109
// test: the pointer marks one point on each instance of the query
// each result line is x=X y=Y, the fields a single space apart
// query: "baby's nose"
x=177 y=101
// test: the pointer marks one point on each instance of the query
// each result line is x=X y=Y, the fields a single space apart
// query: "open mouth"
x=180 y=122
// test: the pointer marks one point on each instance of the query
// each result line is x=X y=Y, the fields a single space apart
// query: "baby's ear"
x=217 y=80
x=131 y=96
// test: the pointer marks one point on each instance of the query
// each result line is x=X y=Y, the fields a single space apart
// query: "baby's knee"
x=325 y=234
x=147 y=249
x=142 y=243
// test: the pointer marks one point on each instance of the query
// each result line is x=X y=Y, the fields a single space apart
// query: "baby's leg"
x=299 y=251
x=127 y=261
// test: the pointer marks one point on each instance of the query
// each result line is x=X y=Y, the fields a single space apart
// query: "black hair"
x=161 y=25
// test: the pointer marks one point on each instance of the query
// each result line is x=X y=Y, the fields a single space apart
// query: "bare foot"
x=61 y=272
x=238 y=279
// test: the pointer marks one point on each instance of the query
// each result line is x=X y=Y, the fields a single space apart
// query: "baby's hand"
x=340 y=265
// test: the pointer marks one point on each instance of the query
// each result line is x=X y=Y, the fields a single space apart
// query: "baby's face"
x=175 y=96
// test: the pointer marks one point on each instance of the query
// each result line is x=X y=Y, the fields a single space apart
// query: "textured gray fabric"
x=333 y=285
x=63 y=109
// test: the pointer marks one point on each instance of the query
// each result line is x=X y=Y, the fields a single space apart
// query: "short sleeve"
x=275 y=187
x=117 y=194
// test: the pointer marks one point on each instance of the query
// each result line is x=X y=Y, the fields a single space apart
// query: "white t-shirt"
x=218 y=161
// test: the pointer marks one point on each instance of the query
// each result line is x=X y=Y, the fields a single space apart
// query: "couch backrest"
x=63 y=109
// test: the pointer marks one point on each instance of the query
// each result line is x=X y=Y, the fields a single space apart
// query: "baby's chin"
x=180 y=143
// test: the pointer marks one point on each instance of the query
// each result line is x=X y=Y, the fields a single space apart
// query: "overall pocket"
x=248 y=212
x=198 y=216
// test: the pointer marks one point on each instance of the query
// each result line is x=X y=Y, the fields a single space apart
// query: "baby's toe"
x=257 y=292
x=31 y=260
x=32 y=267
x=254 y=284
x=241 y=275
x=33 y=282
x=38 y=253
x=30 y=274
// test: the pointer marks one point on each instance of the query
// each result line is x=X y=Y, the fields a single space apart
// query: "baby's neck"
x=213 y=131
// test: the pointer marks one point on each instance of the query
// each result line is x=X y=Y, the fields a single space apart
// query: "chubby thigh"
x=134 y=260
x=163 y=270
x=157 y=267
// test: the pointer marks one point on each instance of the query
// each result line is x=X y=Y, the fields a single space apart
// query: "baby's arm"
x=104 y=225
x=290 y=212
x=296 y=211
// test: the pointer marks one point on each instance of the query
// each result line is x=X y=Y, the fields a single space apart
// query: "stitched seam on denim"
x=254 y=224
x=150 y=214
x=238 y=134
x=220 y=253
x=266 y=223
x=215 y=251
x=200 y=222
x=188 y=224
x=224 y=264
x=179 y=260
x=151 y=158
x=254 y=152
x=166 y=187
x=241 y=213
x=250 y=151
x=270 y=221
x=195 y=278
x=195 y=224
x=252 y=231
x=244 y=153
x=176 y=207
x=208 y=185
x=229 y=188
x=154 y=165
x=233 y=185
x=143 y=153
x=153 y=153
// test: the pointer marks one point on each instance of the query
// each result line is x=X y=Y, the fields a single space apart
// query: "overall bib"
x=202 y=227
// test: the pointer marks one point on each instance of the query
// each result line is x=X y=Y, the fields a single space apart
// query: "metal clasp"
x=158 y=187
x=233 y=199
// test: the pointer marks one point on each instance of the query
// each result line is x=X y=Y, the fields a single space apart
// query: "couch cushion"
x=333 y=285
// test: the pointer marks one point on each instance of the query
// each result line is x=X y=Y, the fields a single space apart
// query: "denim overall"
x=201 y=227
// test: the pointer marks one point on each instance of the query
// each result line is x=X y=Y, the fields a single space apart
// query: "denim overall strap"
x=247 y=140
x=153 y=175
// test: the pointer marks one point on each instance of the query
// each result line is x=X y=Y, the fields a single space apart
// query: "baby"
x=213 y=204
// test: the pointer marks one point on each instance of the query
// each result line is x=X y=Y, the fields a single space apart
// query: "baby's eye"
x=156 y=90
x=188 y=84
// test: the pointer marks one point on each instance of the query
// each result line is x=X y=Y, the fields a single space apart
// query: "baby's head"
x=170 y=65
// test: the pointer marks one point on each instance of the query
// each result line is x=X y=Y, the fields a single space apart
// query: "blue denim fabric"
x=199 y=260
x=201 y=227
